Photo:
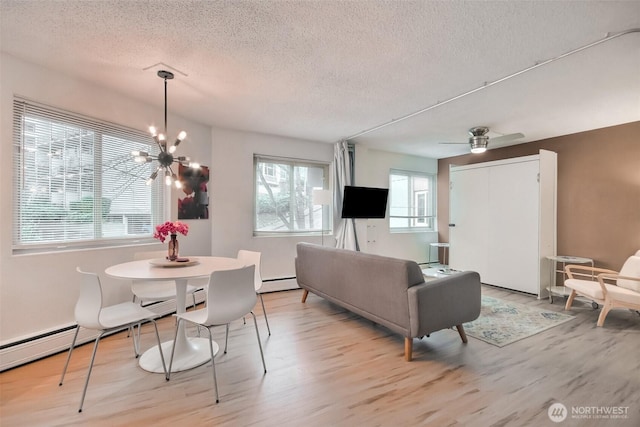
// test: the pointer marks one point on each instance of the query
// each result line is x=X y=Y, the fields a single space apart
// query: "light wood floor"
x=328 y=367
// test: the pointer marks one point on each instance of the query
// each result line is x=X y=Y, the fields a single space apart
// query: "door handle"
x=452 y=225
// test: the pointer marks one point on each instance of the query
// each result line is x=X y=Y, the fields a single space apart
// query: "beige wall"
x=598 y=191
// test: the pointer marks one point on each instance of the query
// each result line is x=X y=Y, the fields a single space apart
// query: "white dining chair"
x=255 y=258
x=146 y=291
x=230 y=296
x=91 y=314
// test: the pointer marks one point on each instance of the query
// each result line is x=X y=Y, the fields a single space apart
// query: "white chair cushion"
x=593 y=290
x=622 y=294
x=631 y=268
x=123 y=314
x=586 y=288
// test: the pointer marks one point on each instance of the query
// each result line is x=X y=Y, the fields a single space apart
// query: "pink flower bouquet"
x=163 y=230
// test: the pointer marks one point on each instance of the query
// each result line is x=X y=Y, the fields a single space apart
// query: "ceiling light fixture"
x=479 y=139
x=165 y=158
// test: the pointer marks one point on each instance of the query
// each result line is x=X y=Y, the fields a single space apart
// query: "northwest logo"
x=557 y=412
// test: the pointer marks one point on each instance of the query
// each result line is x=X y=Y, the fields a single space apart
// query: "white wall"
x=38 y=292
x=372 y=169
x=231 y=198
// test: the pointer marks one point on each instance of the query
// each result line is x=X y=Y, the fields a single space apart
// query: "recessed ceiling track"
x=489 y=84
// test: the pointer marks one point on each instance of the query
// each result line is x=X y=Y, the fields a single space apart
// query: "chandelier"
x=165 y=158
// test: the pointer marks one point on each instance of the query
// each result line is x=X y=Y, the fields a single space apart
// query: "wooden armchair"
x=611 y=290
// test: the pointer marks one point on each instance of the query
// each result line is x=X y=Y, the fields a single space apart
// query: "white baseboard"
x=42 y=345
x=45 y=344
x=279 y=285
x=29 y=351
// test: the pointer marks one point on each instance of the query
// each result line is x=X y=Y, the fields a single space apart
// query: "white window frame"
x=26 y=113
x=325 y=222
x=416 y=222
x=420 y=220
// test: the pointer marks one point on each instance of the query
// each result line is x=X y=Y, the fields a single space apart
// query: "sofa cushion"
x=370 y=285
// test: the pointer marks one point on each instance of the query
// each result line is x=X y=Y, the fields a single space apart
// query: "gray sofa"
x=389 y=291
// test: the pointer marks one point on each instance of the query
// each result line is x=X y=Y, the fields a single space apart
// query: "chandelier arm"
x=155 y=138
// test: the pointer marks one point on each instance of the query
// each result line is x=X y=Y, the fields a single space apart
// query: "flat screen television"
x=364 y=202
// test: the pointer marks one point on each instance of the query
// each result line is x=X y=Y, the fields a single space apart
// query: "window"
x=284 y=196
x=412 y=201
x=75 y=184
x=269 y=170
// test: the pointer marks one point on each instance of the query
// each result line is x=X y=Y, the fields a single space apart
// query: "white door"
x=512 y=227
x=468 y=216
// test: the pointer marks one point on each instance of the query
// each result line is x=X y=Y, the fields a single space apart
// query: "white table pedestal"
x=190 y=351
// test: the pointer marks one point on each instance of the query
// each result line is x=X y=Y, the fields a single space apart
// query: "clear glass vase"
x=174 y=246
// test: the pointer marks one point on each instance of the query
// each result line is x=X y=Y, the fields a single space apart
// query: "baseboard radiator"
x=48 y=343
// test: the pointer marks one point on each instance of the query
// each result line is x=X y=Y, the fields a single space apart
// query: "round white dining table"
x=190 y=351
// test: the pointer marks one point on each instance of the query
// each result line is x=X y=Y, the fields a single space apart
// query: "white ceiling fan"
x=479 y=140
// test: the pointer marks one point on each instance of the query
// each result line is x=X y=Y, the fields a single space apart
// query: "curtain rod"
x=608 y=37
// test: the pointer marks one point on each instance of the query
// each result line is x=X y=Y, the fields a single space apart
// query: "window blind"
x=75 y=183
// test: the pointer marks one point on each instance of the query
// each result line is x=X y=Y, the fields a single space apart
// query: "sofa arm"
x=443 y=303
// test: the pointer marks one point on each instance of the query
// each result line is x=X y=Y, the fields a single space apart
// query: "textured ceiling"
x=327 y=70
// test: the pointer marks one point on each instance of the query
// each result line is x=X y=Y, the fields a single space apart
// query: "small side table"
x=437 y=273
x=445 y=247
x=564 y=259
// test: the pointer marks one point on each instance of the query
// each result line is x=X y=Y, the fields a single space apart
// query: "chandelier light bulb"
x=153 y=130
x=153 y=176
x=161 y=137
x=181 y=136
x=176 y=181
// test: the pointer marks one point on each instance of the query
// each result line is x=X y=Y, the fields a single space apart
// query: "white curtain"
x=343 y=175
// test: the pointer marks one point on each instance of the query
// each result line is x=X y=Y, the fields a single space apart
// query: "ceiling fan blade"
x=504 y=139
x=453 y=143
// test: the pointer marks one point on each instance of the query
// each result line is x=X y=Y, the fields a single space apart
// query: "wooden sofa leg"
x=462 y=333
x=408 y=348
x=572 y=295
x=603 y=313
x=304 y=295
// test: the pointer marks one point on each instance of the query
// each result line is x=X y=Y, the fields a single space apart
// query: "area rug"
x=504 y=322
